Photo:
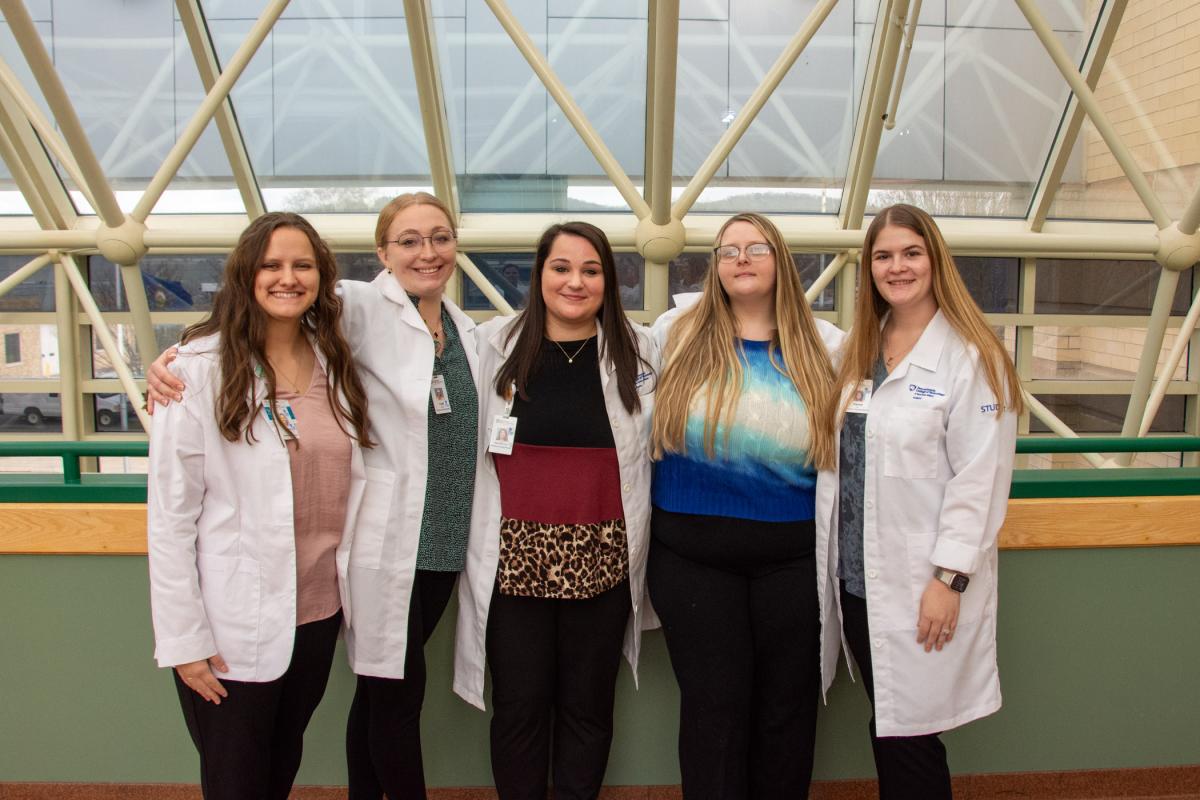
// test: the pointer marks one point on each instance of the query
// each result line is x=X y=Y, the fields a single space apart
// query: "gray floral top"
x=851 y=470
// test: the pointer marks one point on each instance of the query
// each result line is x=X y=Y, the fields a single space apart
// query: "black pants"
x=250 y=745
x=383 y=733
x=738 y=603
x=909 y=767
x=554 y=673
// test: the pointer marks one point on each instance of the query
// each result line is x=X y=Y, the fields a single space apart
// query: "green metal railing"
x=75 y=486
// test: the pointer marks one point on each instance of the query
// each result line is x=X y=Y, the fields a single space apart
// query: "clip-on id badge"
x=437 y=392
x=860 y=403
x=504 y=428
x=286 y=415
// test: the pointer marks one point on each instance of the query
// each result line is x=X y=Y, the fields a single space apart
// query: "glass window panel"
x=114 y=414
x=811 y=265
x=1096 y=353
x=164 y=336
x=22 y=412
x=11 y=200
x=793 y=157
x=1093 y=286
x=510 y=274
x=35 y=293
x=30 y=351
x=703 y=9
x=173 y=283
x=1105 y=413
x=1147 y=91
x=358 y=266
x=994 y=283
x=1062 y=15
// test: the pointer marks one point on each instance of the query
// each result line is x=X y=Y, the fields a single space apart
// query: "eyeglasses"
x=411 y=243
x=755 y=252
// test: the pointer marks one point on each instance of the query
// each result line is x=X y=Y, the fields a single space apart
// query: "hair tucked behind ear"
x=242 y=324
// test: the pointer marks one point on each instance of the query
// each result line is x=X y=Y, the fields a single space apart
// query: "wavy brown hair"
x=620 y=342
x=241 y=324
x=701 y=356
x=863 y=345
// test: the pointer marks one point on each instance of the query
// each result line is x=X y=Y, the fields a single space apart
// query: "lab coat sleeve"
x=175 y=494
x=979 y=446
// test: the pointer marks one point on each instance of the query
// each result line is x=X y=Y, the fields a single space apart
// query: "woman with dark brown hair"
x=255 y=482
x=556 y=561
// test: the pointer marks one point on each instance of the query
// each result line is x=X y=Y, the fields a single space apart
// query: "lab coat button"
x=872 y=573
x=625 y=488
x=868 y=504
x=870 y=433
x=878 y=642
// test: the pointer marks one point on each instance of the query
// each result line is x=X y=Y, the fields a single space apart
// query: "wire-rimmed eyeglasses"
x=730 y=252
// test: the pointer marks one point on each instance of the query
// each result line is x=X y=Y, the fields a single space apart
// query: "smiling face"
x=419 y=249
x=287 y=280
x=902 y=271
x=572 y=287
x=744 y=277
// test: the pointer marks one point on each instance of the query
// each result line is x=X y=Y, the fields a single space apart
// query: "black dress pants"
x=909 y=767
x=383 y=733
x=738 y=603
x=250 y=745
x=554 y=670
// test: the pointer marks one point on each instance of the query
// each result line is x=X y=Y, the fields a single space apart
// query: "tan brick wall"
x=1150 y=90
x=30 y=365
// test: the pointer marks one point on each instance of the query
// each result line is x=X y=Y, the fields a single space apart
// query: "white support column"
x=570 y=108
x=91 y=174
x=885 y=51
x=69 y=366
x=750 y=109
x=914 y=17
x=1164 y=298
x=1088 y=100
x=660 y=136
x=1182 y=340
x=1190 y=220
x=100 y=330
x=1105 y=33
x=26 y=183
x=213 y=101
x=199 y=38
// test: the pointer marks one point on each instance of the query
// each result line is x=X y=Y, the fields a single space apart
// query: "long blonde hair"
x=701 y=354
x=863 y=345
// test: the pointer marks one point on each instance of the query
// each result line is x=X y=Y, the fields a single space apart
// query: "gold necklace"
x=571 y=358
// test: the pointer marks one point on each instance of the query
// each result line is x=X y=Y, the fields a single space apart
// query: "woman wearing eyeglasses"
x=415 y=351
x=732 y=574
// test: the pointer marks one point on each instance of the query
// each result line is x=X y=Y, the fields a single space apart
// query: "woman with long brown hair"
x=738 y=438
x=556 y=562
x=924 y=407
x=416 y=351
x=255 y=482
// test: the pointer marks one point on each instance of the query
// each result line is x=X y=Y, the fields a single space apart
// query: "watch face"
x=959 y=583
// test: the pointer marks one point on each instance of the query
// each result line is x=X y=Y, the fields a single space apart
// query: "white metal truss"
x=657 y=227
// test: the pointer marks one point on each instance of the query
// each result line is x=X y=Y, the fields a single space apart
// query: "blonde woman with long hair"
x=737 y=441
x=925 y=408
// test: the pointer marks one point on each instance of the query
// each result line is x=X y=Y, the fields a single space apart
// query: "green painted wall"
x=1099 y=652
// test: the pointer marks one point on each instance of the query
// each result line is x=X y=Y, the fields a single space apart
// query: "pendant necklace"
x=571 y=358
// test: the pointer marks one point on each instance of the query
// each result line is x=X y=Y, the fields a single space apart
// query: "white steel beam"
x=199 y=38
x=69 y=365
x=1088 y=100
x=828 y=274
x=885 y=51
x=750 y=109
x=100 y=330
x=1182 y=340
x=914 y=17
x=485 y=286
x=1164 y=298
x=213 y=101
x=660 y=129
x=541 y=67
x=91 y=174
x=1059 y=427
x=24 y=173
x=432 y=98
x=32 y=268
x=1190 y=220
x=1107 y=23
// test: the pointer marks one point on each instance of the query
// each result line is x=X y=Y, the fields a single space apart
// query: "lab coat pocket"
x=913 y=439
x=232 y=593
x=919 y=547
x=370 y=530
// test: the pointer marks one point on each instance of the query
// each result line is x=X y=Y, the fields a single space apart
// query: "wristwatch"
x=955 y=580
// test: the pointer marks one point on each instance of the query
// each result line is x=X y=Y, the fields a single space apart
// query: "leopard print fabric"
x=564 y=562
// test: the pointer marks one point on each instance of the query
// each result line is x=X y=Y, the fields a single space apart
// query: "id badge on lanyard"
x=504 y=427
x=860 y=403
x=437 y=392
x=286 y=415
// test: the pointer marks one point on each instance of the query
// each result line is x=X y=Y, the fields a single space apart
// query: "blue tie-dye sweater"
x=759 y=472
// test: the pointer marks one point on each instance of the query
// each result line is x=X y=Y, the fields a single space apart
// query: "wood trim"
x=1146 y=783
x=1032 y=524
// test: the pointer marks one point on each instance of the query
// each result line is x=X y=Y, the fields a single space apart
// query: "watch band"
x=955 y=580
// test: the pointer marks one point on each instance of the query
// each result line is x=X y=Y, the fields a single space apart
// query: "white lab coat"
x=937 y=473
x=221 y=540
x=394 y=353
x=631 y=435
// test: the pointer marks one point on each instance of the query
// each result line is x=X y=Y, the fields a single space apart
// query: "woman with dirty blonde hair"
x=738 y=439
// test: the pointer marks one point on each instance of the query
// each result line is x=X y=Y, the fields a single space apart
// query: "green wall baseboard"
x=1098 y=652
